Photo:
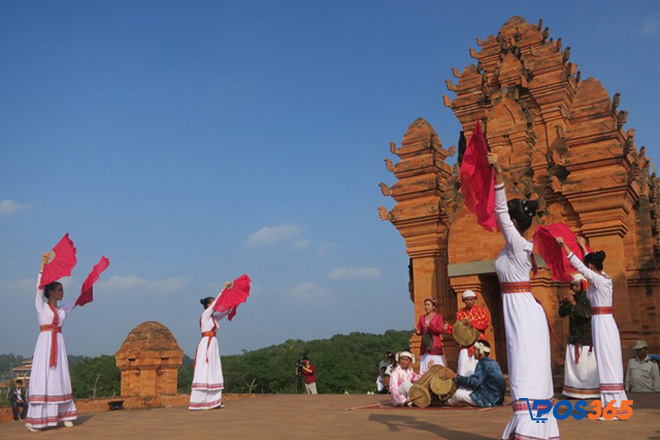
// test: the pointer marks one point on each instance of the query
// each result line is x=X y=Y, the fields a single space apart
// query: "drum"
x=427 y=341
x=464 y=333
x=443 y=388
x=421 y=393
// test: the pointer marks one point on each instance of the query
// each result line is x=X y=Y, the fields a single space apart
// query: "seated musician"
x=485 y=387
x=402 y=378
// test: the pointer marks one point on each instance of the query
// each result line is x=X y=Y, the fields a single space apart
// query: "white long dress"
x=527 y=334
x=208 y=381
x=51 y=400
x=605 y=334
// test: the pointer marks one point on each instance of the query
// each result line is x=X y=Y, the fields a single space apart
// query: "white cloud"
x=273 y=235
x=354 y=273
x=650 y=27
x=28 y=286
x=10 y=206
x=309 y=294
x=118 y=283
x=325 y=248
x=301 y=244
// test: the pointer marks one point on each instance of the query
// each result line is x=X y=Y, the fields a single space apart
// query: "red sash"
x=601 y=310
x=524 y=287
x=54 y=329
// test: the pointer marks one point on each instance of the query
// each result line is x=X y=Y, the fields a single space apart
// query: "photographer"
x=309 y=373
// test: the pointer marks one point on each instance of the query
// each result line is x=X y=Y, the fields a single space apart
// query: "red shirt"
x=436 y=329
x=310 y=377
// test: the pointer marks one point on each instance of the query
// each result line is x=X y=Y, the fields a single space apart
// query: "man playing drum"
x=485 y=387
x=479 y=319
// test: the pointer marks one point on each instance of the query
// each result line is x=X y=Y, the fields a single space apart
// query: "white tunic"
x=51 y=400
x=605 y=334
x=208 y=381
x=581 y=375
x=527 y=334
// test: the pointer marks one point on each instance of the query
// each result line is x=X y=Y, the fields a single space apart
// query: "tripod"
x=300 y=382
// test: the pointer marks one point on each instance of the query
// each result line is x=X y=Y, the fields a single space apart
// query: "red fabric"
x=310 y=377
x=53 y=340
x=62 y=264
x=232 y=297
x=436 y=328
x=479 y=319
x=87 y=289
x=478 y=180
x=553 y=254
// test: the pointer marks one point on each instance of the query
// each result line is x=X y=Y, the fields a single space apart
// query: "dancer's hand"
x=228 y=284
x=44 y=260
x=582 y=242
x=493 y=161
x=559 y=240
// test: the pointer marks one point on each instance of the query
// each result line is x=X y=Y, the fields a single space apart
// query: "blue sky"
x=192 y=142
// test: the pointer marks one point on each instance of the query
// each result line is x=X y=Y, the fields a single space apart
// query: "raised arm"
x=39 y=300
x=511 y=234
x=217 y=315
x=589 y=274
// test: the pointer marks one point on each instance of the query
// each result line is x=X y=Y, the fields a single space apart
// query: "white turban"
x=577 y=278
x=406 y=354
x=481 y=347
x=469 y=294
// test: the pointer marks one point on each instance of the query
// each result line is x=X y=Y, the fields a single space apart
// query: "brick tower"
x=562 y=142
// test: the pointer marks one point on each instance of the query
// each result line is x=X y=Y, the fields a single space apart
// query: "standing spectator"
x=309 y=373
x=642 y=375
x=18 y=398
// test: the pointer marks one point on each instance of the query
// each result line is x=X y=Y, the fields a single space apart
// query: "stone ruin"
x=148 y=360
x=561 y=141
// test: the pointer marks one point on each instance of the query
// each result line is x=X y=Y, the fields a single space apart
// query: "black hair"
x=305 y=358
x=49 y=287
x=485 y=342
x=522 y=211
x=18 y=381
x=595 y=258
x=206 y=301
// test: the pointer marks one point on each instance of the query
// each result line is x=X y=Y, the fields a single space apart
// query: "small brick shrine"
x=561 y=140
x=148 y=360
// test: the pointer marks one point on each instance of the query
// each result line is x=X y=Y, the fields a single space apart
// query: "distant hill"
x=9 y=361
x=344 y=363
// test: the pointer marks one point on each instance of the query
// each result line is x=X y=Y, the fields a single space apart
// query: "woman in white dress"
x=51 y=399
x=605 y=333
x=208 y=382
x=525 y=321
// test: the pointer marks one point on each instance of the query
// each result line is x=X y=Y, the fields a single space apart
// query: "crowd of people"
x=593 y=364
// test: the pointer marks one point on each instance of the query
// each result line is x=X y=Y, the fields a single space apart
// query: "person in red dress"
x=433 y=324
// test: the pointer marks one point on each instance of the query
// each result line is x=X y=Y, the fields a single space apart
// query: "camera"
x=300 y=365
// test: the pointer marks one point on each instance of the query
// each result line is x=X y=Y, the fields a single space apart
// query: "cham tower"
x=562 y=141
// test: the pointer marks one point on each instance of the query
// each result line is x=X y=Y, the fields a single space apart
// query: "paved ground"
x=322 y=417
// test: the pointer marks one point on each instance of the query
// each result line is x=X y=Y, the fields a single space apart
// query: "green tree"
x=96 y=377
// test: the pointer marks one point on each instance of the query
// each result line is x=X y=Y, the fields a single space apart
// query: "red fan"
x=477 y=180
x=62 y=262
x=552 y=253
x=87 y=289
x=232 y=297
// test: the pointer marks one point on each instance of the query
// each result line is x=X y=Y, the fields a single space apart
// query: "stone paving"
x=320 y=417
